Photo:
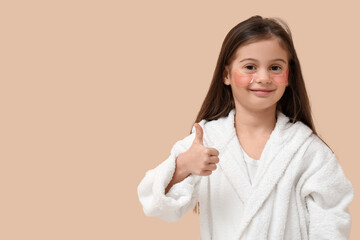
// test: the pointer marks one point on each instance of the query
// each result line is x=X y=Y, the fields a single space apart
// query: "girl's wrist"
x=181 y=170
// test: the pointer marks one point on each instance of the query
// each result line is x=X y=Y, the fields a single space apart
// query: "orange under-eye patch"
x=242 y=80
x=281 y=79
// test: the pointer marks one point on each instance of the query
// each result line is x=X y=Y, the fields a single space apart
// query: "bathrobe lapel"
x=235 y=169
x=284 y=141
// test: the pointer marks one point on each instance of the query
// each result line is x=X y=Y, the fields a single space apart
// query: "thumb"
x=199 y=134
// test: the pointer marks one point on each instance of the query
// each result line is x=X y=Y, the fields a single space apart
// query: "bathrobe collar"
x=285 y=139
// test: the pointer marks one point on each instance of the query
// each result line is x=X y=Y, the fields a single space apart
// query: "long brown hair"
x=219 y=100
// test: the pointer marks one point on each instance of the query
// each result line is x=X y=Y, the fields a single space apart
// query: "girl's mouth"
x=263 y=92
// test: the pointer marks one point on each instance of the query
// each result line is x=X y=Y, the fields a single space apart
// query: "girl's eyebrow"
x=253 y=59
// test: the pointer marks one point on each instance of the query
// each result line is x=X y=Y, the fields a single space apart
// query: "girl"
x=253 y=165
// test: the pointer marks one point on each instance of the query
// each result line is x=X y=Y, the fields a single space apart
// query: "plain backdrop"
x=95 y=93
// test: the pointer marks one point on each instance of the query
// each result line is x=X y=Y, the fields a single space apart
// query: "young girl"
x=253 y=164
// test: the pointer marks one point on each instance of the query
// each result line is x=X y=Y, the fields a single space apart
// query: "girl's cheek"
x=241 y=80
x=281 y=79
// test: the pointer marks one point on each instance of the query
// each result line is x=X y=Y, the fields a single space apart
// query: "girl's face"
x=258 y=75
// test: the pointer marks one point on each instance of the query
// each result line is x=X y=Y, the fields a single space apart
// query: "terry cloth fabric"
x=299 y=190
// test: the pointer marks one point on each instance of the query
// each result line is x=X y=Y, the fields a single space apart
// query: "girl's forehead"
x=263 y=49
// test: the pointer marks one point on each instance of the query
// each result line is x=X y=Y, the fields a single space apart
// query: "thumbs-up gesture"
x=198 y=159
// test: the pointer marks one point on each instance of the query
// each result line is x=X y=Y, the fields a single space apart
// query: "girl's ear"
x=226 y=79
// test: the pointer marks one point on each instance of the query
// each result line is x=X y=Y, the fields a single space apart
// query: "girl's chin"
x=257 y=106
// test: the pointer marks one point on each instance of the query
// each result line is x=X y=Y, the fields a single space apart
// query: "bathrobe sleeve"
x=328 y=194
x=180 y=198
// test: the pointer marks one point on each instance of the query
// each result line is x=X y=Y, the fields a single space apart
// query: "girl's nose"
x=263 y=77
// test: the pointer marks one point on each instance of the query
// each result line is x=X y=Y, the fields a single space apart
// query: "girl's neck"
x=252 y=123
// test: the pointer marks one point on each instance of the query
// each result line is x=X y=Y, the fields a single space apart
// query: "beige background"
x=95 y=93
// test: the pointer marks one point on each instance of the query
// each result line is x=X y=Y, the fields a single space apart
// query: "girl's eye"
x=250 y=67
x=275 y=68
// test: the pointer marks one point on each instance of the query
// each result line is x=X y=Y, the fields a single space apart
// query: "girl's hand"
x=198 y=159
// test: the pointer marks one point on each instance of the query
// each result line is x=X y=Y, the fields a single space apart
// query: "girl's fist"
x=198 y=159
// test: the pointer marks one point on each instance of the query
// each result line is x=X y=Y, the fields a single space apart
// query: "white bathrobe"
x=299 y=190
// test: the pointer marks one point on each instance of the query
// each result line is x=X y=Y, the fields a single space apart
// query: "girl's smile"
x=262 y=92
